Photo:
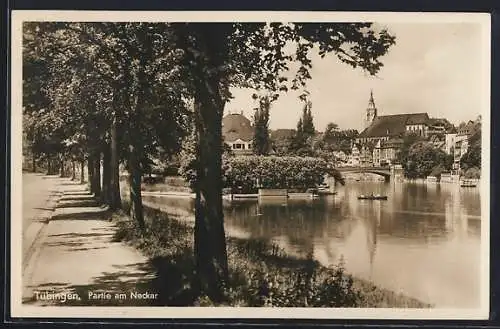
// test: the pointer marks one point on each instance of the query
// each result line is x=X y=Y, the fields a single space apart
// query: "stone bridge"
x=389 y=173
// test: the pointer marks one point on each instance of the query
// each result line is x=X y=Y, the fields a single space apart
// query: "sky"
x=433 y=67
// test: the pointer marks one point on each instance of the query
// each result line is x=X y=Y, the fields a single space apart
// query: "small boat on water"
x=372 y=197
x=468 y=183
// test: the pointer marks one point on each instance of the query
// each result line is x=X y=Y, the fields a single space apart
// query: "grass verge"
x=261 y=274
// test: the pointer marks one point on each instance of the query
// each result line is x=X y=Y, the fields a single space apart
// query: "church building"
x=385 y=133
x=385 y=127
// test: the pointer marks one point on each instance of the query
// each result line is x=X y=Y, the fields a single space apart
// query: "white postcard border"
x=20 y=310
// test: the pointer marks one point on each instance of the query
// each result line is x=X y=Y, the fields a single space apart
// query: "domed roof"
x=236 y=126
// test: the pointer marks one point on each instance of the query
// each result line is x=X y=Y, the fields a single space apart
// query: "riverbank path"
x=76 y=260
x=39 y=198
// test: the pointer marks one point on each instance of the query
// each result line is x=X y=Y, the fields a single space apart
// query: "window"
x=237 y=146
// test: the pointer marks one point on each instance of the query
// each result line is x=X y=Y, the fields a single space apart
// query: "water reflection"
x=423 y=241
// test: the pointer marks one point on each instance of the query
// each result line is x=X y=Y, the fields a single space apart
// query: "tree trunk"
x=82 y=171
x=136 y=149
x=97 y=174
x=135 y=177
x=210 y=86
x=210 y=241
x=106 y=175
x=49 y=168
x=73 y=175
x=52 y=167
x=115 y=202
x=90 y=172
x=61 y=164
x=33 y=161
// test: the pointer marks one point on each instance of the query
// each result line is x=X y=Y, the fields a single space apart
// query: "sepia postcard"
x=302 y=165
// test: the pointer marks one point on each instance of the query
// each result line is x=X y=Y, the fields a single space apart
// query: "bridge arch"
x=381 y=171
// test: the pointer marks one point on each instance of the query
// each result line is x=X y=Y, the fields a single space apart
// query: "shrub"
x=422 y=159
x=473 y=173
x=171 y=170
x=251 y=172
x=176 y=181
x=437 y=171
x=261 y=278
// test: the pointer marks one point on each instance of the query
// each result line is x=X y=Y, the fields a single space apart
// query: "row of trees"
x=111 y=93
x=469 y=163
x=424 y=159
x=305 y=140
x=297 y=144
x=420 y=158
x=335 y=139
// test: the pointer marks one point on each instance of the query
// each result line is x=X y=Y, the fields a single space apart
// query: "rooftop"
x=393 y=125
x=468 y=128
x=236 y=126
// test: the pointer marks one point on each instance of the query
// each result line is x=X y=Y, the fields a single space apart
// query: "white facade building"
x=354 y=157
x=450 y=143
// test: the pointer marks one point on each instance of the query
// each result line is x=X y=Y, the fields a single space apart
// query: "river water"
x=424 y=241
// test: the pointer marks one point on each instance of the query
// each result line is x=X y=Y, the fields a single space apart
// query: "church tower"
x=371 y=111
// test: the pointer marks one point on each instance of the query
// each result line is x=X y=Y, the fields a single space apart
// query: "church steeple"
x=371 y=102
x=371 y=110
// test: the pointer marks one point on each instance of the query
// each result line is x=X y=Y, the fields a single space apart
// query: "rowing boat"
x=372 y=197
